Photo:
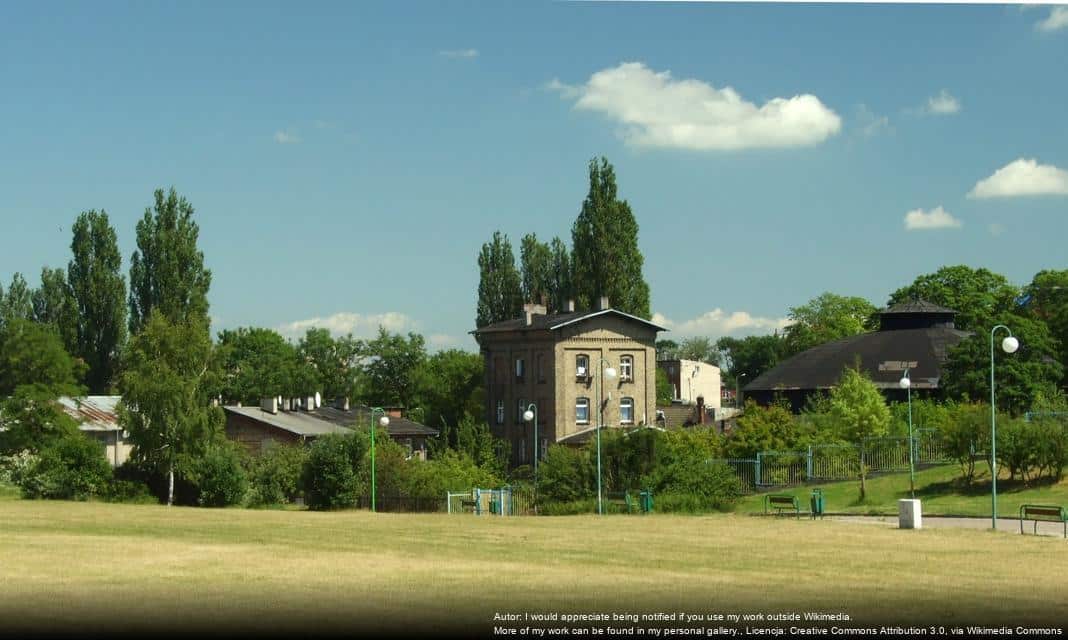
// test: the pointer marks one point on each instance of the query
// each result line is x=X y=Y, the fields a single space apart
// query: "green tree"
x=975 y=294
x=256 y=363
x=771 y=428
x=391 y=364
x=664 y=393
x=98 y=292
x=1019 y=376
x=751 y=356
x=165 y=406
x=500 y=290
x=669 y=350
x=561 y=288
x=605 y=256
x=536 y=263
x=700 y=349
x=52 y=304
x=17 y=303
x=860 y=412
x=330 y=478
x=825 y=318
x=450 y=387
x=167 y=270
x=333 y=361
x=1047 y=300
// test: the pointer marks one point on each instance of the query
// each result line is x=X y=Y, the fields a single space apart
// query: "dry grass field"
x=92 y=567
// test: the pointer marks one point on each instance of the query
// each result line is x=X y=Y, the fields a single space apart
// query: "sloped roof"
x=94 y=413
x=327 y=419
x=916 y=306
x=361 y=415
x=552 y=322
x=884 y=355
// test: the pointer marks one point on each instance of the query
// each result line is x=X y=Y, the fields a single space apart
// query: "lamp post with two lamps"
x=1009 y=345
x=609 y=373
x=384 y=422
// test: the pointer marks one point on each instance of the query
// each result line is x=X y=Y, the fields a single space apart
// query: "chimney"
x=270 y=405
x=700 y=409
x=531 y=310
x=309 y=403
x=602 y=303
x=570 y=305
x=342 y=403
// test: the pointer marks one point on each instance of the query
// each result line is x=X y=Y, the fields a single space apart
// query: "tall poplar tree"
x=17 y=303
x=536 y=266
x=98 y=293
x=500 y=295
x=560 y=287
x=52 y=305
x=167 y=270
x=605 y=256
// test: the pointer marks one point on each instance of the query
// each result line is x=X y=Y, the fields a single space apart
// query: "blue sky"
x=347 y=160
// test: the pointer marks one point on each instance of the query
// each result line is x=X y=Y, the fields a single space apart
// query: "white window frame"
x=624 y=402
x=582 y=370
x=626 y=368
x=579 y=403
x=500 y=411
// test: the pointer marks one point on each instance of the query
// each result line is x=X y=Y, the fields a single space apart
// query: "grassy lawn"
x=938 y=489
x=93 y=567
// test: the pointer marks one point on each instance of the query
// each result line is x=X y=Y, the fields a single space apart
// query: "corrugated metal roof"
x=94 y=413
x=328 y=419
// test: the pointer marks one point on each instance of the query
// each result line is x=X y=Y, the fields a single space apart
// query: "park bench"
x=468 y=505
x=780 y=503
x=1043 y=512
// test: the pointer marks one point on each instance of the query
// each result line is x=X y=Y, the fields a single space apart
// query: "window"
x=626 y=368
x=519 y=369
x=626 y=411
x=582 y=366
x=500 y=412
x=520 y=408
x=582 y=410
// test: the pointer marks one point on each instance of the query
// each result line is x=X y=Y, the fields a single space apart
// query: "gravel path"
x=1005 y=525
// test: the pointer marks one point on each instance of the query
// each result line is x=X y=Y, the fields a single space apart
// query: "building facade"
x=691 y=379
x=557 y=363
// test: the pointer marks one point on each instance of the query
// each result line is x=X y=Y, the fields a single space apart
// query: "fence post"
x=756 y=470
x=808 y=465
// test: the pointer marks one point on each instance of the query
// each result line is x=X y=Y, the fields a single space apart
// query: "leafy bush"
x=15 y=466
x=220 y=476
x=966 y=435
x=450 y=471
x=329 y=477
x=275 y=474
x=571 y=508
x=711 y=486
x=128 y=491
x=70 y=468
x=565 y=475
x=771 y=428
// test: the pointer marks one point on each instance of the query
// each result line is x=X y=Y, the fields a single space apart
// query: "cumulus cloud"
x=459 y=53
x=1022 y=177
x=943 y=104
x=286 y=137
x=655 y=110
x=1057 y=20
x=345 y=322
x=937 y=218
x=718 y=323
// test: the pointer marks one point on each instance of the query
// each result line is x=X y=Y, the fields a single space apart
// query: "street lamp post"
x=906 y=383
x=531 y=415
x=1008 y=345
x=383 y=421
x=738 y=391
x=609 y=373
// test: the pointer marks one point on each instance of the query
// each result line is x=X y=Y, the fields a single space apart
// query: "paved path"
x=1005 y=525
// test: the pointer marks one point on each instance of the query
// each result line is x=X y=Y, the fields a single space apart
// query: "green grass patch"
x=65 y=565
x=940 y=489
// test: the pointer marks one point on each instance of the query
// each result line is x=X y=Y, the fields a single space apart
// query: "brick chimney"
x=530 y=310
x=570 y=305
x=602 y=303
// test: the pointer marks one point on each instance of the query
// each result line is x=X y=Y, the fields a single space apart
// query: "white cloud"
x=1058 y=19
x=656 y=110
x=345 y=322
x=871 y=123
x=943 y=104
x=286 y=137
x=1022 y=177
x=459 y=53
x=937 y=218
x=717 y=323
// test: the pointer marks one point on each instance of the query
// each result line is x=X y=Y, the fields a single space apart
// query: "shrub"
x=70 y=468
x=966 y=435
x=571 y=508
x=712 y=486
x=450 y=471
x=219 y=475
x=14 y=467
x=565 y=475
x=1051 y=446
x=275 y=475
x=128 y=491
x=329 y=477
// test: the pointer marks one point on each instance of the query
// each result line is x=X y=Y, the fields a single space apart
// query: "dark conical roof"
x=916 y=306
